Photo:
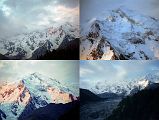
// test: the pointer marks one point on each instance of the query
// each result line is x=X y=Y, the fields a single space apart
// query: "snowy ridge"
x=125 y=35
x=124 y=87
x=32 y=92
x=34 y=44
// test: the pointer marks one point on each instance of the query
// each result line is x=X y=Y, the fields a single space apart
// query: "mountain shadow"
x=3 y=57
x=54 y=111
x=87 y=96
x=2 y=115
x=30 y=107
x=72 y=114
x=68 y=50
x=144 y=105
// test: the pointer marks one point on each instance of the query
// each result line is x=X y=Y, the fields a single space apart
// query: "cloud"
x=94 y=8
x=64 y=71
x=96 y=65
x=113 y=71
x=85 y=71
x=86 y=84
x=121 y=71
x=20 y=16
x=68 y=3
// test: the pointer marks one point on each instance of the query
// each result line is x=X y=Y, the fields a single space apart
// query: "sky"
x=64 y=71
x=93 y=8
x=18 y=16
x=92 y=72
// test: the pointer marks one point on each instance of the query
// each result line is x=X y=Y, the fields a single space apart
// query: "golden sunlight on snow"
x=58 y=96
x=13 y=93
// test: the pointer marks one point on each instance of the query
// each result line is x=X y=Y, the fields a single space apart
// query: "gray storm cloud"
x=18 y=16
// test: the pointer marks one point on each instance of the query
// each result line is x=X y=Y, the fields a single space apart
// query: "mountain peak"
x=36 y=43
x=153 y=76
x=129 y=86
x=36 y=74
x=144 y=83
x=32 y=77
x=32 y=92
x=130 y=35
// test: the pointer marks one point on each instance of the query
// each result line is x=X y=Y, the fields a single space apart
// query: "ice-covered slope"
x=34 y=44
x=120 y=34
x=32 y=92
x=126 y=87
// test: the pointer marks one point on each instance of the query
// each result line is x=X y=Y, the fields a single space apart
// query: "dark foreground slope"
x=72 y=114
x=56 y=112
x=68 y=50
x=95 y=108
x=87 y=96
x=2 y=57
x=143 y=105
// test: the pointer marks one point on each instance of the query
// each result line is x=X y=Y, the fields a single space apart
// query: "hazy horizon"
x=93 y=8
x=92 y=72
x=63 y=71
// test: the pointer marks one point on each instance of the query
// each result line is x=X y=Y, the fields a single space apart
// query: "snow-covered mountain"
x=126 y=87
x=34 y=44
x=32 y=92
x=120 y=34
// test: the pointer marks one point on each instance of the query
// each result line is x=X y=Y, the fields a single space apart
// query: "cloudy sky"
x=92 y=72
x=65 y=71
x=18 y=16
x=93 y=8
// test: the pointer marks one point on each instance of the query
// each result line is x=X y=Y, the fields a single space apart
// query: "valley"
x=98 y=110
